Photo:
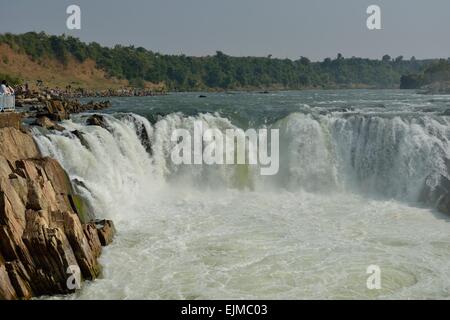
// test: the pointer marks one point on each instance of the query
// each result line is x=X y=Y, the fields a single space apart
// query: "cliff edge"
x=43 y=238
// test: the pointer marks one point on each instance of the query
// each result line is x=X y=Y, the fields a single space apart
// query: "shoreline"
x=48 y=234
x=32 y=96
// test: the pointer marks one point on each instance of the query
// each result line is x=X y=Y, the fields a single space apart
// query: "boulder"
x=46 y=123
x=54 y=110
x=15 y=145
x=106 y=231
x=48 y=110
x=97 y=120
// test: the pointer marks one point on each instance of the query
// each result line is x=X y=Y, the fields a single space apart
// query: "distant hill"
x=18 y=66
x=62 y=60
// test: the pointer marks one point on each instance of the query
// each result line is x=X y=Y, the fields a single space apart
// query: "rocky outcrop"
x=436 y=191
x=96 y=105
x=44 y=227
x=10 y=119
x=46 y=123
x=7 y=290
x=58 y=110
x=106 y=231
x=54 y=110
x=97 y=120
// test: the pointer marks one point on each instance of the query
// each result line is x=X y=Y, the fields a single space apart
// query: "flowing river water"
x=352 y=166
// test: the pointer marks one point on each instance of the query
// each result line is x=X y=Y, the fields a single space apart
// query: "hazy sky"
x=283 y=28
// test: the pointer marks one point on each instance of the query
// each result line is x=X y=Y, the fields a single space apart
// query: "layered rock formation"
x=58 y=110
x=10 y=119
x=44 y=229
x=48 y=124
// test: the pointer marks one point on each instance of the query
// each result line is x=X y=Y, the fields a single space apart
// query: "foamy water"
x=275 y=246
x=345 y=198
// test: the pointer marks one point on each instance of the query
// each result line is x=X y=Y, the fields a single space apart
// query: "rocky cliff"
x=436 y=193
x=44 y=238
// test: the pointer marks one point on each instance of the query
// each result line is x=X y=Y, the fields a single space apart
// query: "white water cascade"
x=347 y=187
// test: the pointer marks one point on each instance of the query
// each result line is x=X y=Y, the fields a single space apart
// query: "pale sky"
x=283 y=28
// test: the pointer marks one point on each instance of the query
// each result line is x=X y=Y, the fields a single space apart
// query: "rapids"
x=352 y=167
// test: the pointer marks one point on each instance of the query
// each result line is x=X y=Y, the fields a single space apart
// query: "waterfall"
x=374 y=154
x=119 y=167
x=113 y=165
x=340 y=202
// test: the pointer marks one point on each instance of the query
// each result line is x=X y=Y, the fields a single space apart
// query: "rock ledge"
x=42 y=232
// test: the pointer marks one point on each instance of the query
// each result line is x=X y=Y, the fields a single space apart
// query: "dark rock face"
x=96 y=105
x=106 y=231
x=142 y=133
x=97 y=120
x=54 y=110
x=7 y=290
x=58 y=110
x=80 y=137
x=436 y=193
x=45 y=122
x=11 y=120
x=42 y=234
x=145 y=139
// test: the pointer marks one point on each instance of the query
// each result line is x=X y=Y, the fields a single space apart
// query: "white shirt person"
x=4 y=89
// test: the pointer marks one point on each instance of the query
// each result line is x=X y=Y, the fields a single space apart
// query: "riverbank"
x=43 y=109
x=50 y=239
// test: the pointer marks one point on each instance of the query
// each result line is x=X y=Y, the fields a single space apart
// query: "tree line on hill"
x=436 y=72
x=220 y=71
